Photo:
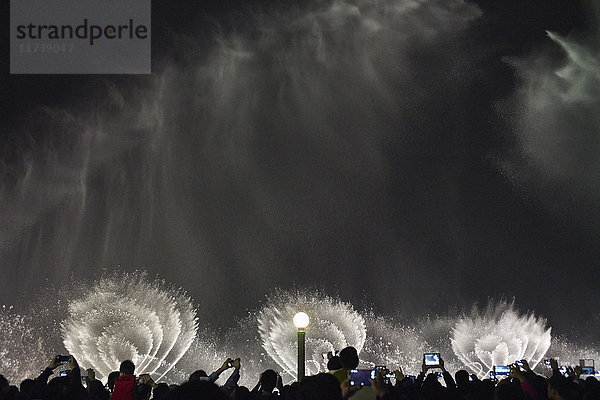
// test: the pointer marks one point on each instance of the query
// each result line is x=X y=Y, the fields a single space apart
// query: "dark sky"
x=423 y=179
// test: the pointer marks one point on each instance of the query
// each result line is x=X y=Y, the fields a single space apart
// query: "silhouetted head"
x=13 y=392
x=462 y=377
x=127 y=367
x=198 y=376
x=143 y=392
x=58 y=389
x=561 y=387
x=431 y=380
x=202 y=390
x=161 y=391
x=26 y=386
x=111 y=380
x=268 y=380
x=349 y=357
x=243 y=393
x=97 y=391
x=334 y=363
x=320 y=387
x=591 y=381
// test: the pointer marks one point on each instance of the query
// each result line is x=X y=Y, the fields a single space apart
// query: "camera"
x=387 y=374
x=501 y=370
x=360 y=377
x=431 y=359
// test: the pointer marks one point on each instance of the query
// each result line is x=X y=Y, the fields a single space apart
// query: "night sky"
x=448 y=158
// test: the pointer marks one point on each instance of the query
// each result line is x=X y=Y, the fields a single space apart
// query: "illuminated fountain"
x=499 y=336
x=333 y=326
x=21 y=346
x=392 y=344
x=128 y=317
x=568 y=352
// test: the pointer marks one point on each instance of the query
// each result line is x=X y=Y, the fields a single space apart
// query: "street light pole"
x=301 y=321
x=301 y=353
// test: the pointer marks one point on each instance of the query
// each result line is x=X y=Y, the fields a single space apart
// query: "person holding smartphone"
x=69 y=385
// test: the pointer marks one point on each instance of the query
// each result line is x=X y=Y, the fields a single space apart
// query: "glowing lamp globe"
x=301 y=320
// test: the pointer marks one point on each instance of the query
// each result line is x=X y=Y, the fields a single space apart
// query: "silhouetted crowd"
x=343 y=381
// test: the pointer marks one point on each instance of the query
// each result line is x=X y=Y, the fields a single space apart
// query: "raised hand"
x=54 y=362
x=226 y=364
x=73 y=363
x=399 y=375
x=378 y=385
x=516 y=373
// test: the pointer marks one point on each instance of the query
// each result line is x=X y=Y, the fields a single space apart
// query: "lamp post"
x=301 y=321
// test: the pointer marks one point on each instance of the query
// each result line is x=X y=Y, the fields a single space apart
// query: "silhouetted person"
x=561 y=388
x=349 y=360
x=110 y=383
x=96 y=391
x=25 y=389
x=198 y=390
x=125 y=383
x=319 y=387
x=334 y=363
x=264 y=388
x=160 y=392
x=200 y=375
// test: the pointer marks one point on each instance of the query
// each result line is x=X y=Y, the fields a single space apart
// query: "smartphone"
x=547 y=362
x=386 y=373
x=470 y=378
x=230 y=364
x=360 y=377
x=325 y=355
x=492 y=375
x=501 y=370
x=519 y=363
x=432 y=359
x=64 y=359
x=587 y=370
x=63 y=373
